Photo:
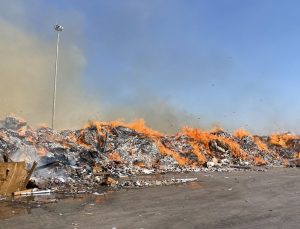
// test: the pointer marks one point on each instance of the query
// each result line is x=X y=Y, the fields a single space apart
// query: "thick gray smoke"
x=27 y=68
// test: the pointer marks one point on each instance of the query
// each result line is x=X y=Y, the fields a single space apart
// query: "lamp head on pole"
x=58 y=28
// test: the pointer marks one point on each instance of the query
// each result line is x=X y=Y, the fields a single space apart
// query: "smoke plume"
x=27 y=72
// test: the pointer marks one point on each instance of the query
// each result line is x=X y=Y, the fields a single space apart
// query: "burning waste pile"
x=104 y=153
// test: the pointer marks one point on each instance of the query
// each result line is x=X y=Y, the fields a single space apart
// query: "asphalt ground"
x=249 y=199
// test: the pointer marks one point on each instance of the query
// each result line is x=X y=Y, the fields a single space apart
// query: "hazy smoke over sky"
x=27 y=70
x=170 y=62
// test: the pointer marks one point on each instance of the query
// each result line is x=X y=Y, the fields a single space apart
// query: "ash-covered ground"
x=107 y=153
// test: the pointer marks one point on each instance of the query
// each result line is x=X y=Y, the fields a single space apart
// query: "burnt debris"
x=102 y=153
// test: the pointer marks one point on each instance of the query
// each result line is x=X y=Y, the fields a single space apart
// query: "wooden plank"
x=12 y=177
x=18 y=193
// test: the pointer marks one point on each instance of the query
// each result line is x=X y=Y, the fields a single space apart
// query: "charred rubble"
x=104 y=153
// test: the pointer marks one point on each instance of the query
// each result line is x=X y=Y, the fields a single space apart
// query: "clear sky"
x=230 y=62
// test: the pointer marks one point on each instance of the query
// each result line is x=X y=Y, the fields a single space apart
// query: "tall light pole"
x=58 y=29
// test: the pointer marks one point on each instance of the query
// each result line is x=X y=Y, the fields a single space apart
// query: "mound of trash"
x=101 y=153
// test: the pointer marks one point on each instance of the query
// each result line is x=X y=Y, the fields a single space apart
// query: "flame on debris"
x=41 y=151
x=259 y=161
x=115 y=156
x=147 y=148
x=205 y=137
x=281 y=139
x=140 y=127
x=240 y=133
x=260 y=144
x=196 y=150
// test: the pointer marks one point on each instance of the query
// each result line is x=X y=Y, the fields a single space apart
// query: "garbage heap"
x=101 y=152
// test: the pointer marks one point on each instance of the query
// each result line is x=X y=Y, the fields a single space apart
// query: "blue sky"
x=231 y=62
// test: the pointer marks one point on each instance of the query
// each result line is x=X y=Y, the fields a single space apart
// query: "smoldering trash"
x=115 y=153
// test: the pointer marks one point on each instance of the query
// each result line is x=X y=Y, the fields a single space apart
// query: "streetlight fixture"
x=58 y=29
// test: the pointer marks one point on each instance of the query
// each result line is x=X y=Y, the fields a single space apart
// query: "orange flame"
x=166 y=151
x=259 y=161
x=260 y=144
x=206 y=137
x=281 y=139
x=196 y=150
x=196 y=136
x=240 y=133
x=41 y=151
x=139 y=126
x=139 y=164
x=80 y=140
x=115 y=156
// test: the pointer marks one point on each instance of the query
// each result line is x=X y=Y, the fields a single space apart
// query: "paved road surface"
x=219 y=200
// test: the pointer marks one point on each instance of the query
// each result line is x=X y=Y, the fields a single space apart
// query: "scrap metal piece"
x=53 y=163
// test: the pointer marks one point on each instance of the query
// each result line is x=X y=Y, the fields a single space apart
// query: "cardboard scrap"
x=14 y=177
